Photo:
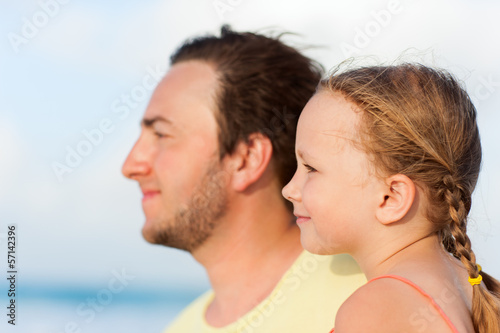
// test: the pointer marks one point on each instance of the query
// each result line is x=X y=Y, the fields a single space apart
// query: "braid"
x=453 y=195
x=448 y=241
x=485 y=306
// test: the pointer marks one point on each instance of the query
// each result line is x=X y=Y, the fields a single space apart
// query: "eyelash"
x=309 y=168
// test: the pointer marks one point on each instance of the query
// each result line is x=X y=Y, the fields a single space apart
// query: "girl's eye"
x=309 y=168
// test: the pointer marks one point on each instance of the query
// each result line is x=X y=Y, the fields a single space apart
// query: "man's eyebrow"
x=149 y=122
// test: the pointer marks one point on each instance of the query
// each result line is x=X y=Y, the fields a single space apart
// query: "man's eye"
x=309 y=168
x=159 y=135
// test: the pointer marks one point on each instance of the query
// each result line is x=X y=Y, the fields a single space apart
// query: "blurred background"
x=75 y=78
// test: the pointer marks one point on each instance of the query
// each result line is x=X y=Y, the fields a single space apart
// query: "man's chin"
x=149 y=234
x=162 y=237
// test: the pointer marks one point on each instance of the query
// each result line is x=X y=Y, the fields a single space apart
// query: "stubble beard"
x=195 y=222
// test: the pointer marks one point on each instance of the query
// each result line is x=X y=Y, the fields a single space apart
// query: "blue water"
x=64 y=310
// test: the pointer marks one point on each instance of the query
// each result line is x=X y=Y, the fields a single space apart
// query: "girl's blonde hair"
x=420 y=122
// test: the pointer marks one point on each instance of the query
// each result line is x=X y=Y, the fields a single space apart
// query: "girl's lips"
x=302 y=219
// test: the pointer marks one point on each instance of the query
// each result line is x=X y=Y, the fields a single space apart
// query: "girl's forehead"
x=329 y=115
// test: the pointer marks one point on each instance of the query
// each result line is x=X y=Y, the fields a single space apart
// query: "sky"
x=76 y=76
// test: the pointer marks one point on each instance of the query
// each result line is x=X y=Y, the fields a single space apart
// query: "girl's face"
x=334 y=188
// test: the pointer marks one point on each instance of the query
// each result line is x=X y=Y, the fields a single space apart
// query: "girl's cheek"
x=308 y=197
x=317 y=200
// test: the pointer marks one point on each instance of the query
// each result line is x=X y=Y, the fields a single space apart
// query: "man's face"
x=176 y=161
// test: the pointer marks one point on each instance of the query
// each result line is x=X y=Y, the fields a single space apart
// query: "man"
x=216 y=148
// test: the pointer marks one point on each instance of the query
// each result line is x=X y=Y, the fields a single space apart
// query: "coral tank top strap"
x=421 y=291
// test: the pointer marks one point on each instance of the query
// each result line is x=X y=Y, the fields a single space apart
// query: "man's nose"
x=138 y=162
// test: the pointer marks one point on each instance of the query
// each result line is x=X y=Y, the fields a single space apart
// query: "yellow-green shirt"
x=305 y=300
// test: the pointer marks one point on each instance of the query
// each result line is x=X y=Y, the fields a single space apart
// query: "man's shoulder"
x=340 y=267
x=306 y=299
x=191 y=318
x=323 y=279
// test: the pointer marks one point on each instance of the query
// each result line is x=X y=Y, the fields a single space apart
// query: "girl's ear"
x=396 y=199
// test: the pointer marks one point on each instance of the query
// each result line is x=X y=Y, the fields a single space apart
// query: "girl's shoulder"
x=391 y=304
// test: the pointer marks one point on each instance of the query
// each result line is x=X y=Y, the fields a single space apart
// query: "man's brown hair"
x=263 y=86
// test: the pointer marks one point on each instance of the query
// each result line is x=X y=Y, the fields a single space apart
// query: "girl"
x=388 y=158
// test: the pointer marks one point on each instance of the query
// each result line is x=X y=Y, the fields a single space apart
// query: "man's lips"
x=149 y=194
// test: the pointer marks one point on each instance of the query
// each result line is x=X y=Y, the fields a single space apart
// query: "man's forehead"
x=183 y=100
x=193 y=75
x=187 y=83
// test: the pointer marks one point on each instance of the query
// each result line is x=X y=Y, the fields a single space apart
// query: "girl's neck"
x=407 y=254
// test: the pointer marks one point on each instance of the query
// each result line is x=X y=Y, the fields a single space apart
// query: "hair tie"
x=474 y=281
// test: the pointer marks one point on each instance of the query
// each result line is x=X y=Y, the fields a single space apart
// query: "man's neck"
x=246 y=258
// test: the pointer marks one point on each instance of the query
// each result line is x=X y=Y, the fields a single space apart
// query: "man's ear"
x=396 y=199
x=249 y=161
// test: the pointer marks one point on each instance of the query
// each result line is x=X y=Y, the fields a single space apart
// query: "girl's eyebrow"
x=303 y=155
